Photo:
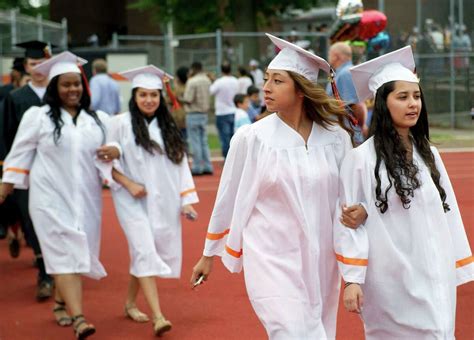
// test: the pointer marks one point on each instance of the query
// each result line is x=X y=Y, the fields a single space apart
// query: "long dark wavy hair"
x=320 y=107
x=51 y=98
x=402 y=173
x=175 y=147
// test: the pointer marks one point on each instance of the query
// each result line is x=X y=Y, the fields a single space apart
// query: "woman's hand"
x=5 y=190
x=353 y=216
x=353 y=298
x=189 y=212
x=108 y=153
x=202 y=268
x=136 y=190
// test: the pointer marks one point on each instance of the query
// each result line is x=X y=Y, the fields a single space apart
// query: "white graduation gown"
x=273 y=216
x=65 y=189
x=152 y=224
x=409 y=261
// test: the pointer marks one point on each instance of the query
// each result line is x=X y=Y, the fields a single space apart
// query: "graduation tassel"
x=176 y=105
x=84 y=78
x=335 y=92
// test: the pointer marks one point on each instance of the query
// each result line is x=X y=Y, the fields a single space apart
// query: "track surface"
x=217 y=310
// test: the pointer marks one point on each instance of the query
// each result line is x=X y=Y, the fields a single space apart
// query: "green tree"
x=209 y=15
x=26 y=7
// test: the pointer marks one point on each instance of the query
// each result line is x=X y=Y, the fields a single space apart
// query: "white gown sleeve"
x=463 y=254
x=18 y=163
x=235 y=200
x=352 y=246
x=105 y=168
x=188 y=189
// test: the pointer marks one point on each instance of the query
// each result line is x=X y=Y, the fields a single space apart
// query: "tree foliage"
x=209 y=15
x=26 y=8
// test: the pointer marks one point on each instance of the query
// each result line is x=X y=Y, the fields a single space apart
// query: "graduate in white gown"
x=157 y=188
x=53 y=154
x=276 y=199
x=403 y=263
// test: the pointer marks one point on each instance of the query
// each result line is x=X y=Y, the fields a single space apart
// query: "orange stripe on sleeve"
x=214 y=237
x=232 y=252
x=18 y=170
x=184 y=193
x=464 y=262
x=351 y=261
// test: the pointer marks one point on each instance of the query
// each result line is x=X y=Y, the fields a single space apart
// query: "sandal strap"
x=59 y=309
x=61 y=303
x=78 y=316
x=77 y=325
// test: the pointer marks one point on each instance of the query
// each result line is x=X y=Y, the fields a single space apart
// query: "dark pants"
x=225 y=127
x=20 y=198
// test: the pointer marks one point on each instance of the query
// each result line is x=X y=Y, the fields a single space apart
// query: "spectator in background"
x=255 y=107
x=245 y=80
x=197 y=103
x=340 y=58
x=179 y=115
x=257 y=75
x=461 y=44
x=105 y=94
x=224 y=89
x=242 y=102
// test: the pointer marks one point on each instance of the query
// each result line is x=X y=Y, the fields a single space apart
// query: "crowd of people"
x=311 y=189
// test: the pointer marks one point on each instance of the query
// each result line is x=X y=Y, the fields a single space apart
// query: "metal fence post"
x=64 y=42
x=218 y=51
x=115 y=40
x=452 y=82
x=39 y=22
x=14 y=40
x=381 y=4
x=169 y=49
x=461 y=12
x=419 y=24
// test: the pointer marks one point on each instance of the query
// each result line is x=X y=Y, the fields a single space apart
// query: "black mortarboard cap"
x=36 y=49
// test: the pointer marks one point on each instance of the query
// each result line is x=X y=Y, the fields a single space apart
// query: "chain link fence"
x=447 y=78
x=16 y=28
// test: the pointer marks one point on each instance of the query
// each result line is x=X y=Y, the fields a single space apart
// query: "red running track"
x=217 y=310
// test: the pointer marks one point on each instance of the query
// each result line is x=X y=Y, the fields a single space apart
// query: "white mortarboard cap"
x=147 y=77
x=396 y=65
x=296 y=59
x=65 y=62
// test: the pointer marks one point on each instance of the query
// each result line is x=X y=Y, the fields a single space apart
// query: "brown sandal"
x=84 y=332
x=63 y=321
x=132 y=312
x=161 y=325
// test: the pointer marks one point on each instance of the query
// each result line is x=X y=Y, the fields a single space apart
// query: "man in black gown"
x=15 y=105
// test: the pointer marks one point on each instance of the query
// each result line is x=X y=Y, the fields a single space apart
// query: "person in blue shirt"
x=242 y=103
x=340 y=58
x=255 y=107
x=105 y=95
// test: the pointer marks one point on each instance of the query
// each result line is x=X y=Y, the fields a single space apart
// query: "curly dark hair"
x=51 y=98
x=175 y=146
x=402 y=173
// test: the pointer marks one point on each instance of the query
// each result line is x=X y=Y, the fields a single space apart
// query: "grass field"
x=441 y=138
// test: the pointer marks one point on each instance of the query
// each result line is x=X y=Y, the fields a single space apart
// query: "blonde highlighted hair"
x=319 y=106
